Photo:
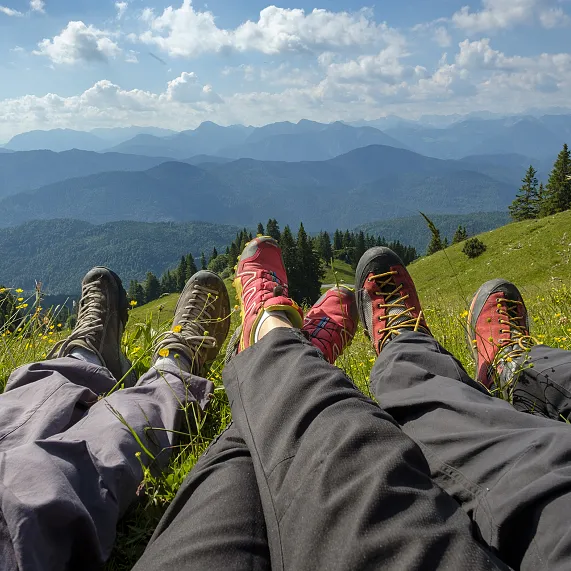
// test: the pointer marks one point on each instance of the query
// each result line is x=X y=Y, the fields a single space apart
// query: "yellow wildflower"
x=464 y=314
x=59 y=324
x=132 y=303
x=20 y=299
x=164 y=352
x=177 y=328
x=19 y=290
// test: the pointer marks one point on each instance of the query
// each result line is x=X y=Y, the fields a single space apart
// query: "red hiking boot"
x=498 y=333
x=332 y=322
x=261 y=285
x=387 y=301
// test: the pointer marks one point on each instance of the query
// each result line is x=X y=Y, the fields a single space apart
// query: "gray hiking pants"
x=68 y=463
x=314 y=475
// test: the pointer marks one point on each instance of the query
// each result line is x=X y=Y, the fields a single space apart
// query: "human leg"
x=62 y=496
x=216 y=520
x=341 y=486
x=510 y=471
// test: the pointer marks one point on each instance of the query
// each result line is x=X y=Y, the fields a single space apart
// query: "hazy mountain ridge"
x=535 y=134
x=364 y=185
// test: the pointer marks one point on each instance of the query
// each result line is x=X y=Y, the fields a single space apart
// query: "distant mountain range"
x=66 y=139
x=538 y=137
x=366 y=184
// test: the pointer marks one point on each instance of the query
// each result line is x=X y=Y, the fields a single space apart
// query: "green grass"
x=535 y=255
x=340 y=272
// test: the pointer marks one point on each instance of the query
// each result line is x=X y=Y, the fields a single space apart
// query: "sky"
x=83 y=64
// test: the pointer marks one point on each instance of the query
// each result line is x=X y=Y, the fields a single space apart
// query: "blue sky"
x=98 y=63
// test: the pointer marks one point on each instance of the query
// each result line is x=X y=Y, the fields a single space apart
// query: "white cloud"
x=187 y=89
x=475 y=77
x=442 y=37
x=78 y=42
x=131 y=57
x=504 y=14
x=37 y=6
x=554 y=18
x=121 y=8
x=386 y=67
x=187 y=32
x=10 y=11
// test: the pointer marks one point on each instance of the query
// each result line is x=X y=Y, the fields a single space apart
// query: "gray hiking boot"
x=201 y=323
x=100 y=324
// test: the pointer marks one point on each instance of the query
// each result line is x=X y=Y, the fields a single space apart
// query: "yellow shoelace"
x=404 y=319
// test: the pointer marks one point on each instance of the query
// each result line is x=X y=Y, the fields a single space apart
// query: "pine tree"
x=214 y=254
x=557 y=195
x=436 y=244
x=203 y=264
x=337 y=240
x=260 y=231
x=233 y=254
x=181 y=277
x=460 y=235
x=526 y=203
x=168 y=283
x=191 y=268
x=359 y=249
x=273 y=230
x=289 y=254
x=136 y=292
x=324 y=248
x=152 y=287
x=308 y=288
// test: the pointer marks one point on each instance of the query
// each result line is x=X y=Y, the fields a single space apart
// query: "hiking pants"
x=69 y=464
x=311 y=475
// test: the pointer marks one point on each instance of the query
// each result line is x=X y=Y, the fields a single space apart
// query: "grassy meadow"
x=536 y=255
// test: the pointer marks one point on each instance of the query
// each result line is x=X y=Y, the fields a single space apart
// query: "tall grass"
x=31 y=339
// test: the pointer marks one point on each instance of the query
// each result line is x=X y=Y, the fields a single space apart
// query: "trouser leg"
x=544 y=385
x=342 y=487
x=215 y=521
x=61 y=496
x=510 y=471
x=44 y=399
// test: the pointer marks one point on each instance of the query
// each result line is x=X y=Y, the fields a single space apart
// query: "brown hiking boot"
x=201 y=323
x=498 y=334
x=100 y=324
x=387 y=301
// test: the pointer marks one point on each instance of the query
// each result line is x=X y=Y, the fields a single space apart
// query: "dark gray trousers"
x=68 y=464
x=311 y=475
x=510 y=471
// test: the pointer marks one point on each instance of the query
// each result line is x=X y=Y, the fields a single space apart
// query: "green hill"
x=413 y=230
x=535 y=255
x=59 y=252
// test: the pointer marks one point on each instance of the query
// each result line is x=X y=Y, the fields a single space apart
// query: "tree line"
x=535 y=200
x=305 y=258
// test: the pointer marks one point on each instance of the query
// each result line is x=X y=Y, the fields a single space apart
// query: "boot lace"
x=398 y=315
x=196 y=316
x=508 y=361
x=521 y=341
x=90 y=321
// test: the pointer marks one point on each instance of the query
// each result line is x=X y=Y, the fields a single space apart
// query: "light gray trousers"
x=68 y=462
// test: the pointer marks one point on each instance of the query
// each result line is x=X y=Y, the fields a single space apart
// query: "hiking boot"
x=261 y=286
x=387 y=301
x=498 y=334
x=331 y=323
x=100 y=323
x=200 y=325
